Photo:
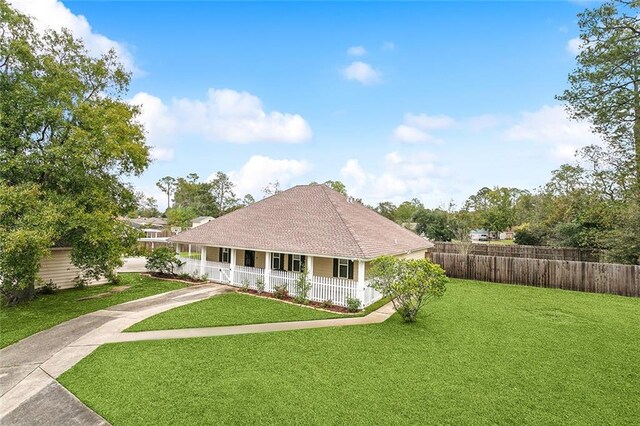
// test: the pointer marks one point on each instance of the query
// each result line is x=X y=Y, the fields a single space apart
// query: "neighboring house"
x=147 y=222
x=201 y=220
x=479 y=235
x=155 y=230
x=57 y=267
x=310 y=226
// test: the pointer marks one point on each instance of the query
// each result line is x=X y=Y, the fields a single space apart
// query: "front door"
x=249 y=258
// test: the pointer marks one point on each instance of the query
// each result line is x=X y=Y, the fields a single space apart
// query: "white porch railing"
x=337 y=290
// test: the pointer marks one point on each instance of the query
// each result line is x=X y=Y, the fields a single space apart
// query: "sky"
x=398 y=100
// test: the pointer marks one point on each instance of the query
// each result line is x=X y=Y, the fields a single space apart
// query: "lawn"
x=46 y=311
x=483 y=354
x=230 y=309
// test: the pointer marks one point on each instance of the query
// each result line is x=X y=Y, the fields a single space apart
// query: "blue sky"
x=398 y=100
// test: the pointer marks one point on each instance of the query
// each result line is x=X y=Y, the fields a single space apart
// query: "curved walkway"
x=29 y=393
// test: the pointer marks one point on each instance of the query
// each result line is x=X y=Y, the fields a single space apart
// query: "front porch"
x=331 y=279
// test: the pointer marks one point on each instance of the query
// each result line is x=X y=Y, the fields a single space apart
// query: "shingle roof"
x=307 y=219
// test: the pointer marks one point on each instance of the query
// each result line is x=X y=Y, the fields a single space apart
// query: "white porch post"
x=203 y=259
x=310 y=267
x=189 y=251
x=267 y=270
x=178 y=248
x=361 y=281
x=232 y=266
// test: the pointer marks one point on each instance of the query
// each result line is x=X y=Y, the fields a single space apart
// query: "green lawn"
x=46 y=311
x=484 y=354
x=230 y=309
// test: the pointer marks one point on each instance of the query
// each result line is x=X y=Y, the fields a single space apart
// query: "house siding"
x=58 y=268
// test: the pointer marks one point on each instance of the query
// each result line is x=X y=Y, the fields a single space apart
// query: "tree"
x=386 y=209
x=181 y=216
x=222 y=190
x=409 y=283
x=167 y=185
x=248 y=200
x=66 y=141
x=198 y=196
x=336 y=185
x=147 y=206
x=272 y=188
x=406 y=211
x=436 y=225
x=495 y=208
x=605 y=86
x=163 y=260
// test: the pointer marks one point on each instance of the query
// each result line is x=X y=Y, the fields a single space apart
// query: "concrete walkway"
x=29 y=393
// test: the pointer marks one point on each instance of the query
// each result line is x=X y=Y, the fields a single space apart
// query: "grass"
x=484 y=354
x=230 y=309
x=46 y=311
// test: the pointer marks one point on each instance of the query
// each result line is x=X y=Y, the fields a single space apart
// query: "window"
x=225 y=256
x=249 y=258
x=343 y=268
x=276 y=261
x=296 y=263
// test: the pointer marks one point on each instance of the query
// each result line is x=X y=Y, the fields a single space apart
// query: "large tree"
x=195 y=195
x=167 y=185
x=605 y=87
x=66 y=141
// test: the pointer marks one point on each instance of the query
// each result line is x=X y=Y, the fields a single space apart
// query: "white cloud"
x=402 y=178
x=551 y=126
x=362 y=72
x=485 y=122
x=388 y=45
x=415 y=127
x=55 y=15
x=356 y=51
x=224 y=116
x=575 y=46
x=256 y=173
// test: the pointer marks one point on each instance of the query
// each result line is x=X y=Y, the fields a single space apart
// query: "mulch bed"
x=291 y=300
x=169 y=277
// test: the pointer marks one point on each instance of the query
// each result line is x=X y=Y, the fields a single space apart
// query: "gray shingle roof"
x=307 y=219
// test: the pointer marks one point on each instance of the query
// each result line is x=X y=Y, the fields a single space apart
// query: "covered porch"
x=333 y=279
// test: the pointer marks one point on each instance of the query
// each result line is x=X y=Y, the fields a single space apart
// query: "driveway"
x=29 y=393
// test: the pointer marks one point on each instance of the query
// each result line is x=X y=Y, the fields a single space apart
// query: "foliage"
x=436 y=225
x=196 y=196
x=495 y=208
x=303 y=286
x=260 y=286
x=222 y=190
x=386 y=209
x=272 y=188
x=66 y=141
x=336 y=185
x=167 y=185
x=181 y=216
x=245 y=285
x=406 y=211
x=410 y=283
x=47 y=288
x=146 y=206
x=163 y=260
x=353 y=303
x=280 y=291
x=327 y=304
x=529 y=235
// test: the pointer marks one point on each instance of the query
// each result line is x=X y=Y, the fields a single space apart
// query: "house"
x=479 y=235
x=308 y=227
x=201 y=220
x=57 y=268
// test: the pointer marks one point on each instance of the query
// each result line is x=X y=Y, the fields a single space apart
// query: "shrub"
x=409 y=283
x=327 y=304
x=114 y=279
x=529 y=235
x=80 y=282
x=303 y=286
x=48 y=288
x=245 y=285
x=163 y=260
x=353 y=304
x=260 y=286
x=280 y=291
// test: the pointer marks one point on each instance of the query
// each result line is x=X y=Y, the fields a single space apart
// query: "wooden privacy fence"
x=534 y=252
x=579 y=276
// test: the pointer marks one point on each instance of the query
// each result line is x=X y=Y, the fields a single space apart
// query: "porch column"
x=203 y=260
x=361 y=283
x=267 y=271
x=189 y=251
x=310 y=267
x=232 y=266
x=178 y=249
